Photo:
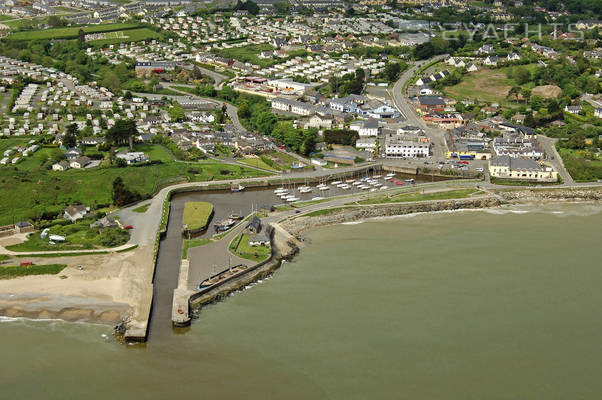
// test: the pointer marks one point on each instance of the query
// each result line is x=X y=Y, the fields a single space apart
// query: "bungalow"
x=259 y=240
x=74 y=213
x=24 y=227
x=79 y=162
x=513 y=57
x=93 y=140
x=61 y=166
x=485 y=49
x=598 y=112
x=105 y=222
x=133 y=157
x=73 y=153
x=573 y=109
x=471 y=67
x=491 y=60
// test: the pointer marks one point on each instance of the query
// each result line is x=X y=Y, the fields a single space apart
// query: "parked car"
x=128 y=227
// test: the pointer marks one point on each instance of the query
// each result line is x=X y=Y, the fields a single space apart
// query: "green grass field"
x=248 y=53
x=30 y=188
x=131 y=35
x=68 y=33
x=240 y=247
x=197 y=214
x=488 y=85
x=15 y=271
x=257 y=163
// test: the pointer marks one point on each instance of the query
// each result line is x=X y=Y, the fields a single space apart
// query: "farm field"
x=249 y=54
x=30 y=188
x=489 y=85
x=68 y=33
x=130 y=35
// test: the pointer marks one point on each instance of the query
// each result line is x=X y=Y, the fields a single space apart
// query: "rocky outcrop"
x=585 y=194
x=303 y=223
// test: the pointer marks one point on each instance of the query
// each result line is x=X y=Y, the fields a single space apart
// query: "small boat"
x=384 y=187
x=342 y=185
x=410 y=181
x=292 y=199
x=324 y=187
x=280 y=190
x=357 y=183
x=237 y=187
x=346 y=187
x=317 y=198
x=376 y=177
x=388 y=178
x=350 y=181
x=336 y=183
x=224 y=225
x=373 y=190
x=305 y=190
x=236 y=216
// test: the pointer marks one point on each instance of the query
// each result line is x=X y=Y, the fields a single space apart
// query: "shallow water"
x=496 y=304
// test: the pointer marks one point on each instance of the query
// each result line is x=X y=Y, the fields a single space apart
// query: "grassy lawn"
x=240 y=247
x=5 y=17
x=4 y=257
x=582 y=165
x=489 y=85
x=130 y=35
x=15 y=271
x=514 y=182
x=248 y=54
x=417 y=196
x=30 y=188
x=190 y=243
x=257 y=163
x=197 y=214
x=68 y=33
x=142 y=209
x=9 y=143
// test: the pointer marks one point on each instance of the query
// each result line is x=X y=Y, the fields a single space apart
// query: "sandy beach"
x=107 y=289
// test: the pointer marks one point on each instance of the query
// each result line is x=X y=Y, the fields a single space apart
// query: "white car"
x=479 y=169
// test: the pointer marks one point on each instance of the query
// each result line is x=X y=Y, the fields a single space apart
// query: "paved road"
x=549 y=147
x=403 y=104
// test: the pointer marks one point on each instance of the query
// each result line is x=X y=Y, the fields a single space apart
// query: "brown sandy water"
x=496 y=304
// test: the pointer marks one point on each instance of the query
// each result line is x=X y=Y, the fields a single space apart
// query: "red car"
x=399 y=183
x=462 y=162
x=128 y=227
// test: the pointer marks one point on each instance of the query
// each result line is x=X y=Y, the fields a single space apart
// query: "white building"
x=367 y=128
x=395 y=147
x=519 y=168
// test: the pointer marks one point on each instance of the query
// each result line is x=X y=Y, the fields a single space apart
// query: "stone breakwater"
x=349 y=214
x=586 y=194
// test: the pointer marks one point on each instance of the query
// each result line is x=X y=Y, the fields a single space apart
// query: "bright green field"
x=131 y=35
x=14 y=271
x=197 y=214
x=248 y=54
x=30 y=188
x=68 y=33
x=240 y=247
